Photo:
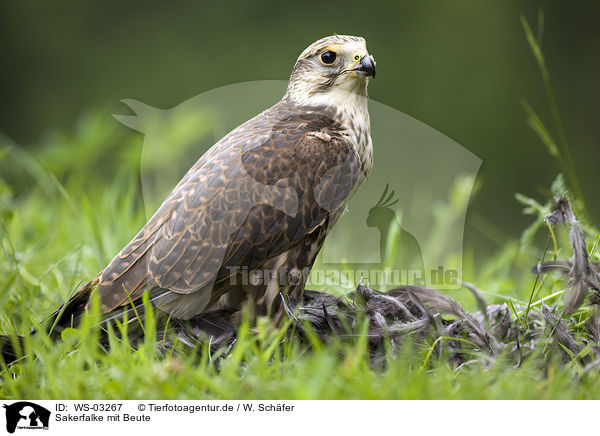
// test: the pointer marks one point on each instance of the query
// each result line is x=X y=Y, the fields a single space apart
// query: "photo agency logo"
x=25 y=415
x=404 y=225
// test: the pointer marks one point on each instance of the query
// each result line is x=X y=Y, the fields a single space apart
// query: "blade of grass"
x=563 y=145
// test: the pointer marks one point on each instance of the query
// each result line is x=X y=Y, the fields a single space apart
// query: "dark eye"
x=328 y=57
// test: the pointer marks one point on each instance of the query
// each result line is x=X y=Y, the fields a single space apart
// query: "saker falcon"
x=263 y=198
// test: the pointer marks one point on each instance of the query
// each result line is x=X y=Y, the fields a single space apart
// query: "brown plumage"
x=225 y=215
x=262 y=198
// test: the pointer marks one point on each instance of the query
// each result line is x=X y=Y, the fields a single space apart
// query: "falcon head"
x=331 y=70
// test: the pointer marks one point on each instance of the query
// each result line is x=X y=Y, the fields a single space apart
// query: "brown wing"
x=253 y=195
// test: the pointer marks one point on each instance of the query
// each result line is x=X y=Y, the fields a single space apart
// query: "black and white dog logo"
x=26 y=415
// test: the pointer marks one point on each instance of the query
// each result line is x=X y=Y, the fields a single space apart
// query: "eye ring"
x=328 y=57
x=357 y=57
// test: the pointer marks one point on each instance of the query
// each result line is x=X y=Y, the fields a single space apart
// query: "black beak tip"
x=367 y=64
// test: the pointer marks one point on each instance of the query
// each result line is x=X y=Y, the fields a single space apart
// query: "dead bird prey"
x=262 y=198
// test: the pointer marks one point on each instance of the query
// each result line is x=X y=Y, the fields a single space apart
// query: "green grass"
x=256 y=369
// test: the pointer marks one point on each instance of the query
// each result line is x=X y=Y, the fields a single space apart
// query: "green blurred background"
x=462 y=67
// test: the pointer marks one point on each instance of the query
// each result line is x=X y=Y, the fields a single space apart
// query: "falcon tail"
x=219 y=325
x=69 y=314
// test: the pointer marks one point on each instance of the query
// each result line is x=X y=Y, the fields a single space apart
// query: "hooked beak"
x=366 y=66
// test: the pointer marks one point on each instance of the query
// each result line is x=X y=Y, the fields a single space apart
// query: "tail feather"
x=68 y=315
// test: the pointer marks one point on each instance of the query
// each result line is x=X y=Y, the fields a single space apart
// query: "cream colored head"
x=330 y=71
